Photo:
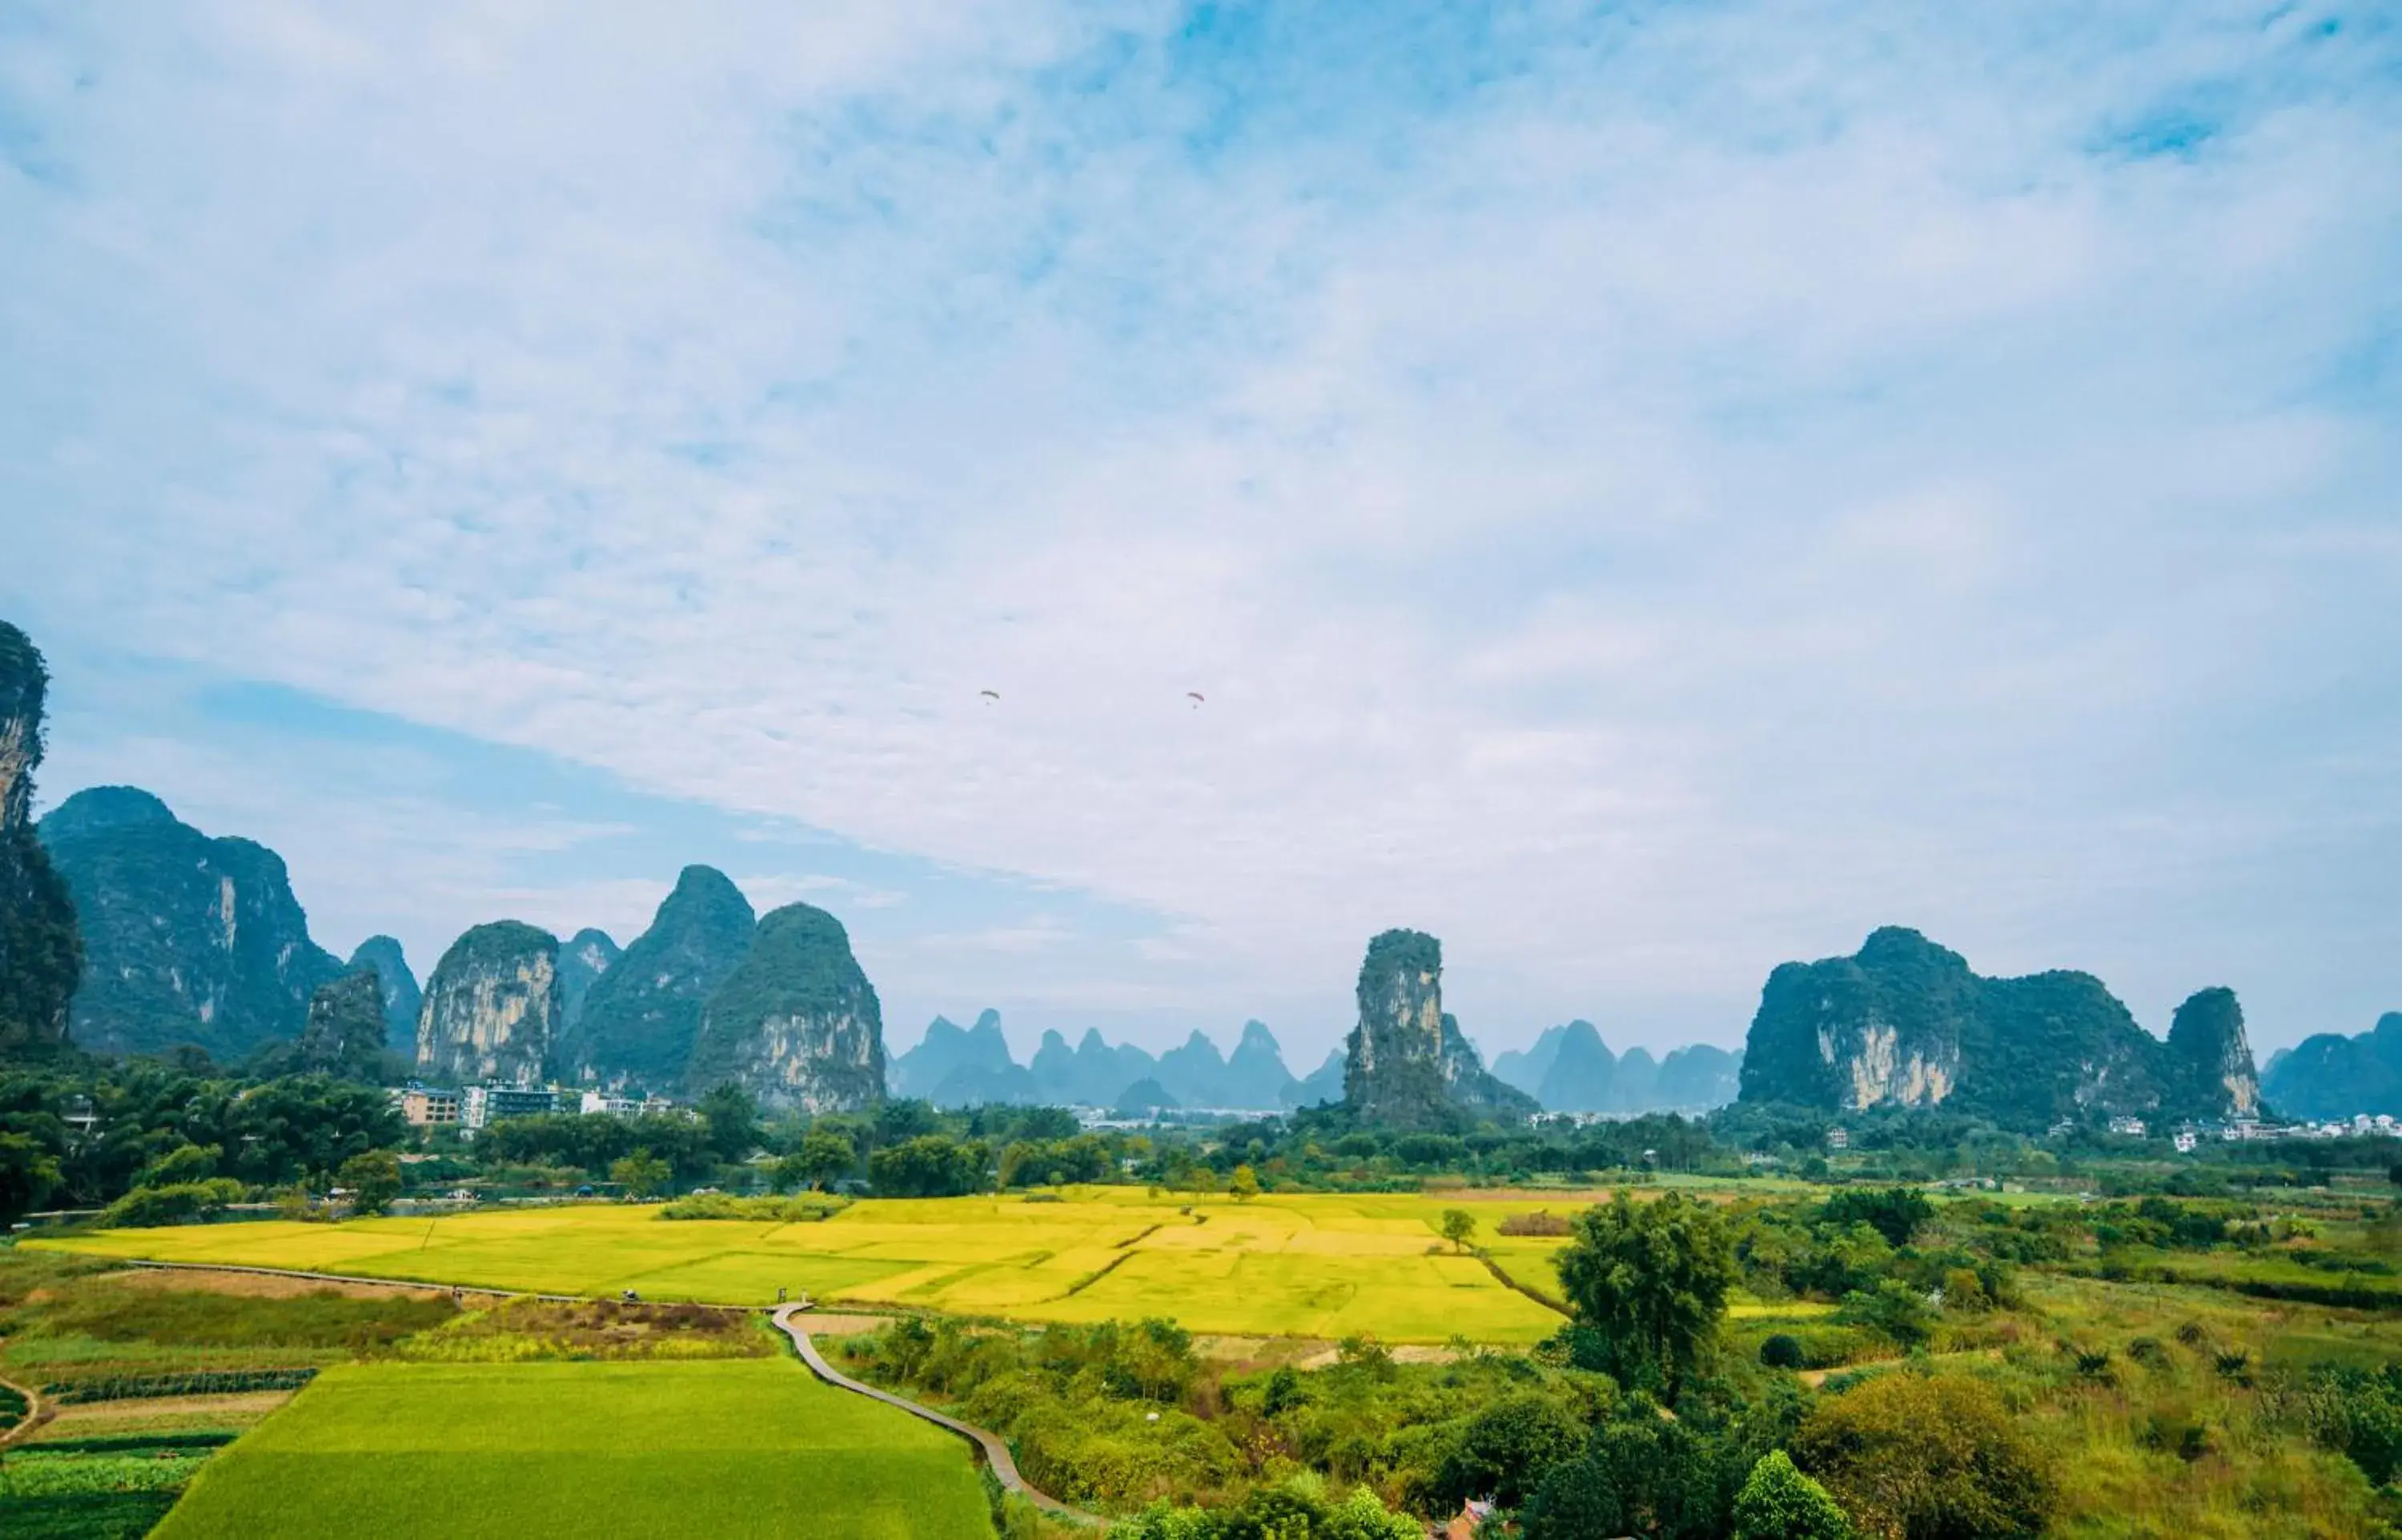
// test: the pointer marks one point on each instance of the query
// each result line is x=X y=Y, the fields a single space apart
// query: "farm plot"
x=533 y=1451
x=1317 y=1265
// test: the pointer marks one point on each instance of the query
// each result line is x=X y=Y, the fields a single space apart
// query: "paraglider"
x=989 y=694
x=1197 y=698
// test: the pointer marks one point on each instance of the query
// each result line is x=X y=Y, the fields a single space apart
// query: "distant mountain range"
x=965 y=1066
x=1570 y=1069
x=2333 y=1076
x=956 y=1066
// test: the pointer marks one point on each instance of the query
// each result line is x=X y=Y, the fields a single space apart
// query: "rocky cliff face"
x=796 y=1024
x=2210 y=1058
x=642 y=1017
x=491 y=1008
x=1406 y=1064
x=345 y=1032
x=186 y=938
x=1467 y=1085
x=41 y=950
x=587 y=954
x=1392 y=1069
x=1905 y=1022
x=402 y=999
x=2328 y=1075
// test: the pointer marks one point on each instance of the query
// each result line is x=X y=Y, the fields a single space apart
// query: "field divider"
x=997 y=1457
x=1089 y=1278
x=1527 y=1290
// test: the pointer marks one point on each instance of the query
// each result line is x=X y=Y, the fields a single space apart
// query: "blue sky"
x=1647 y=492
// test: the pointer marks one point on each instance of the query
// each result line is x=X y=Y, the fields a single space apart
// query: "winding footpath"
x=995 y=1453
x=36 y=1413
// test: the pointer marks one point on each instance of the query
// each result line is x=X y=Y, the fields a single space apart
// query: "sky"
x=1644 y=492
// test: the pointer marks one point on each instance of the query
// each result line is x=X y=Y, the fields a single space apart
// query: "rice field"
x=1316 y=1265
x=730 y=1447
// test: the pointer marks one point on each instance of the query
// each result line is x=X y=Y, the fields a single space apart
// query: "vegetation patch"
x=795 y=1208
x=526 y=1330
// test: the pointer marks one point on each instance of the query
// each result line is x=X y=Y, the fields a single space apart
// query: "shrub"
x=1894 y=1308
x=1783 y=1351
x=1779 y=1503
x=173 y=1203
x=1538 y=1223
x=1911 y=1456
x=1896 y=1212
x=801 y=1208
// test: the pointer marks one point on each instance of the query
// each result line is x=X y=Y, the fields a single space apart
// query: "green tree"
x=1245 y=1184
x=1896 y=1212
x=642 y=1174
x=1506 y=1449
x=933 y=1165
x=1640 y=1474
x=825 y=1157
x=374 y=1179
x=733 y=1119
x=1893 y=1308
x=1651 y=1281
x=1928 y=1459
x=29 y=1174
x=1779 y=1503
x=1457 y=1226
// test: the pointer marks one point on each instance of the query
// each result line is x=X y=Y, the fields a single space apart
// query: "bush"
x=173 y=1203
x=1779 y=1503
x=1909 y=1455
x=1506 y=1449
x=1896 y=1212
x=801 y=1208
x=1782 y=1351
x=1297 y=1510
x=1894 y=1308
x=1538 y=1223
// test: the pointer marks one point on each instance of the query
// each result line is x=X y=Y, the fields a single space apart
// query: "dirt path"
x=995 y=1453
x=36 y=1413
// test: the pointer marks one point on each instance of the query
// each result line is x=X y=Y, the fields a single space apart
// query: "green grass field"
x=531 y=1450
x=1319 y=1265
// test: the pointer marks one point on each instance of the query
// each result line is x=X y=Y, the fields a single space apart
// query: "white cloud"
x=1669 y=507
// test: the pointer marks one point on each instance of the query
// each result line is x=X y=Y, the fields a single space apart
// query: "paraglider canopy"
x=1195 y=695
x=989 y=694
